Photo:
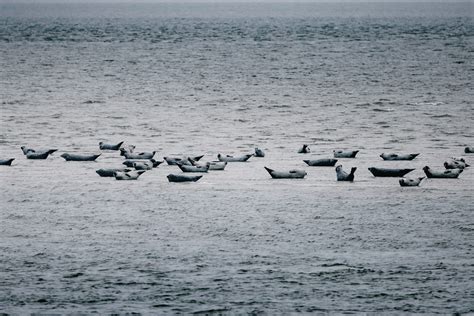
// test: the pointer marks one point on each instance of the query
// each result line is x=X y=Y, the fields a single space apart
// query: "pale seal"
x=77 y=157
x=217 y=165
x=292 y=174
x=389 y=172
x=174 y=161
x=131 y=175
x=182 y=178
x=105 y=146
x=341 y=175
x=228 y=158
x=444 y=174
x=345 y=153
x=393 y=156
x=304 y=150
x=259 y=153
x=143 y=165
x=26 y=150
x=142 y=155
x=187 y=168
x=321 y=162
x=410 y=182
x=6 y=162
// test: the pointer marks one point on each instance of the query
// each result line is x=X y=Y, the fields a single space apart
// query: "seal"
x=174 y=161
x=26 y=150
x=469 y=150
x=304 y=150
x=6 y=162
x=410 y=182
x=341 y=175
x=292 y=174
x=259 y=153
x=217 y=165
x=187 y=168
x=77 y=157
x=129 y=163
x=111 y=171
x=455 y=164
x=444 y=174
x=142 y=155
x=105 y=146
x=393 y=156
x=388 y=172
x=182 y=178
x=321 y=162
x=131 y=175
x=228 y=158
x=345 y=153
x=143 y=165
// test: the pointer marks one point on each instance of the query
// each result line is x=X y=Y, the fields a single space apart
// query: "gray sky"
x=222 y=1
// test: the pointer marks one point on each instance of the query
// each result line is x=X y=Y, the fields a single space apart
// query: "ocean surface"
x=203 y=79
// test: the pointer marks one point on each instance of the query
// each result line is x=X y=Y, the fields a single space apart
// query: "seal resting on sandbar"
x=143 y=165
x=37 y=155
x=444 y=174
x=228 y=158
x=182 y=178
x=304 y=150
x=104 y=146
x=341 y=175
x=345 y=153
x=187 y=168
x=321 y=162
x=469 y=150
x=131 y=175
x=410 y=182
x=142 y=155
x=292 y=174
x=393 y=156
x=77 y=157
x=259 y=153
x=455 y=163
x=389 y=172
x=6 y=162
x=110 y=172
x=26 y=150
x=129 y=163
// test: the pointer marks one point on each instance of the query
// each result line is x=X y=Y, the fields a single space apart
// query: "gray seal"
x=444 y=174
x=104 y=146
x=26 y=150
x=456 y=164
x=389 y=172
x=228 y=158
x=77 y=157
x=129 y=162
x=259 y=153
x=110 y=172
x=131 y=175
x=321 y=162
x=6 y=162
x=410 y=182
x=469 y=150
x=291 y=174
x=341 y=175
x=345 y=153
x=182 y=178
x=143 y=165
x=37 y=155
x=304 y=150
x=393 y=156
x=187 y=168
x=142 y=155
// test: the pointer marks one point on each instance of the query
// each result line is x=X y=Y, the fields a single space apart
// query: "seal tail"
x=353 y=170
x=270 y=171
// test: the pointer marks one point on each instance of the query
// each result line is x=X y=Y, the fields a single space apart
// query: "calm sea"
x=203 y=79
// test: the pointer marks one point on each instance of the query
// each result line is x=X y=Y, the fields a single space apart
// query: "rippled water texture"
x=209 y=79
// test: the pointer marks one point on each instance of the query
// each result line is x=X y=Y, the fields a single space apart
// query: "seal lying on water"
x=76 y=157
x=130 y=175
x=37 y=155
x=104 y=146
x=388 y=172
x=111 y=171
x=444 y=174
x=187 y=168
x=341 y=175
x=228 y=158
x=393 y=156
x=259 y=153
x=321 y=162
x=469 y=150
x=142 y=155
x=129 y=163
x=304 y=150
x=345 y=154
x=410 y=182
x=6 y=162
x=182 y=178
x=292 y=174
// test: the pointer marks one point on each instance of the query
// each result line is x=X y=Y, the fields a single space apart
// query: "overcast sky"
x=222 y=1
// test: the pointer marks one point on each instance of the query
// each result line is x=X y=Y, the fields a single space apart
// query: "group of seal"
x=137 y=163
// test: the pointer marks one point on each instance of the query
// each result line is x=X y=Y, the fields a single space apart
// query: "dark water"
x=207 y=79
